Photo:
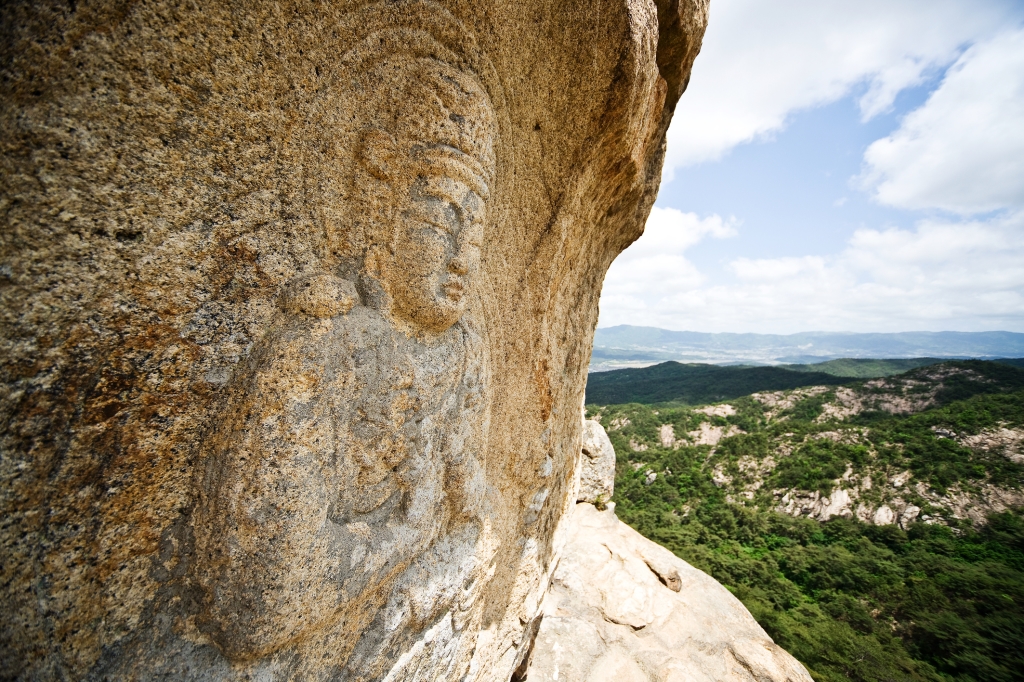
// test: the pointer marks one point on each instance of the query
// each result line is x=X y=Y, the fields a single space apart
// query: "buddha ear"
x=379 y=152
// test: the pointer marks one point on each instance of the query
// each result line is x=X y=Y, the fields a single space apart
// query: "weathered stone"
x=622 y=608
x=597 y=466
x=884 y=516
x=909 y=515
x=297 y=306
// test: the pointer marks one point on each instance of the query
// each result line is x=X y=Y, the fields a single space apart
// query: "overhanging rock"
x=298 y=300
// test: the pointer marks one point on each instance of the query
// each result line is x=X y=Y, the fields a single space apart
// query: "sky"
x=840 y=166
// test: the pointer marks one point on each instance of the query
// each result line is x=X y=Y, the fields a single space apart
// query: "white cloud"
x=656 y=261
x=963 y=150
x=762 y=61
x=776 y=269
x=964 y=276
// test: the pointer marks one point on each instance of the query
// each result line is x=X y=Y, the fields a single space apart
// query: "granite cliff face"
x=297 y=305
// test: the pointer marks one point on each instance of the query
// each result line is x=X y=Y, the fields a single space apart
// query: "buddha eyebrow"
x=443 y=192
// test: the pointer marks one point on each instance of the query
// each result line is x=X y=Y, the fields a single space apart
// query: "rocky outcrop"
x=597 y=465
x=297 y=302
x=624 y=609
x=621 y=608
x=1007 y=441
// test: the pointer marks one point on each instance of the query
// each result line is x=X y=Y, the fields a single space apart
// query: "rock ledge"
x=623 y=608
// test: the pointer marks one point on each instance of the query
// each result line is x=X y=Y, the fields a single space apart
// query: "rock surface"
x=624 y=609
x=297 y=302
x=597 y=465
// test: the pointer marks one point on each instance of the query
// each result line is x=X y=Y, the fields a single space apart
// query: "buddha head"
x=437 y=163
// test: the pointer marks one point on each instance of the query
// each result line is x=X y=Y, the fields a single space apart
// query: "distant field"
x=627 y=346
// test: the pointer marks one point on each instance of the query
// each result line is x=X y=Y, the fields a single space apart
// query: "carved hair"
x=426 y=101
x=442 y=123
x=448 y=118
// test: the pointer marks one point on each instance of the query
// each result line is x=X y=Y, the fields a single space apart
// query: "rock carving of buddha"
x=351 y=437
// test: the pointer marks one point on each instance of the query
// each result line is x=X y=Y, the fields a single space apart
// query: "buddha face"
x=436 y=251
x=434 y=164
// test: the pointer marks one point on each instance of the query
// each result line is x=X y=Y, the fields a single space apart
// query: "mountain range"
x=630 y=346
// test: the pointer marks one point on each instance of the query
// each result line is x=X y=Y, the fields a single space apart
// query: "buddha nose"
x=459 y=265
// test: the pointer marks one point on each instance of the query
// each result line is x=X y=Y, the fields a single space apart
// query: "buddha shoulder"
x=319 y=296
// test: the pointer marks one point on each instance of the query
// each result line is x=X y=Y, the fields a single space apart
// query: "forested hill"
x=861 y=368
x=875 y=529
x=696 y=384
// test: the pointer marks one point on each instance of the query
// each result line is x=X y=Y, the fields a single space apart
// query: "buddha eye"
x=437 y=214
x=445 y=212
x=441 y=230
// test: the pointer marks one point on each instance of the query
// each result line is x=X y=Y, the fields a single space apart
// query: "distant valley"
x=874 y=527
x=629 y=346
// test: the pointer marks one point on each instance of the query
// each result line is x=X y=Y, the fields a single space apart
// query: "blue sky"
x=840 y=166
x=794 y=191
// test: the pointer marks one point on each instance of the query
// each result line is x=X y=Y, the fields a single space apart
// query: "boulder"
x=909 y=515
x=297 y=300
x=624 y=609
x=597 y=468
